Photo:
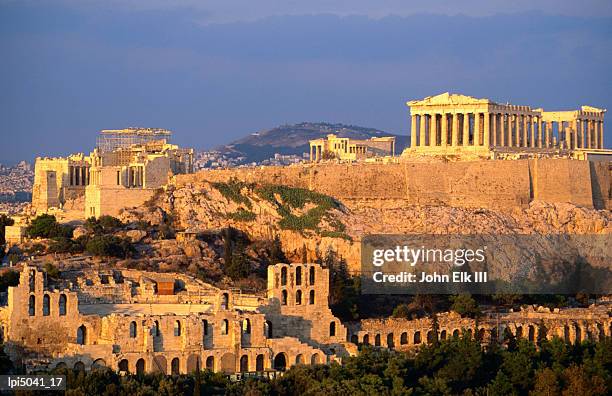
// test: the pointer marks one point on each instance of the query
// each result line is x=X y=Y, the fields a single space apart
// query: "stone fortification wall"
x=488 y=184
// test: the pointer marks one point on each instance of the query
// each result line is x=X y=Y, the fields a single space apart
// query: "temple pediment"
x=447 y=98
x=593 y=109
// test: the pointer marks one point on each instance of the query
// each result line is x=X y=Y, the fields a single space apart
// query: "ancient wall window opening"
x=133 y=329
x=32 y=305
x=246 y=326
x=404 y=338
x=298 y=297
x=81 y=337
x=284 y=297
x=377 y=340
x=298 y=276
x=332 y=329
x=366 y=339
x=311 y=297
x=124 y=366
x=140 y=366
x=32 y=280
x=177 y=328
x=175 y=367
x=155 y=330
x=46 y=305
x=417 y=338
x=224 y=301
x=62 y=304
x=210 y=363
x=314 y=359
x=311 y=276
x=390 y=340
x=224 y=327
x=268 y=329
x=205 y=328
x=244 y=364
x=259 y=363
x=284 y=276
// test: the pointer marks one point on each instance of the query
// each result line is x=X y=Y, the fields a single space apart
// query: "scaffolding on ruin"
x=114 y=139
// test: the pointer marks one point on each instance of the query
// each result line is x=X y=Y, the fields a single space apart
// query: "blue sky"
x=214 y=71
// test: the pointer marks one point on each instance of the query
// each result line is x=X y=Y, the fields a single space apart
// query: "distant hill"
x=293 y=139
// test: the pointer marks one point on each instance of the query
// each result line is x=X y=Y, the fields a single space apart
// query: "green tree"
x=546 y=383
x=51 y=270
x=8 y=278
x=109 y=245
x=4 y=221
x=465 y=305
x=46 y=226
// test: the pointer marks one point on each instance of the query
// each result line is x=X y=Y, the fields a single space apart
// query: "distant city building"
x=453 y=124
x=351 y=149
x=123 y=170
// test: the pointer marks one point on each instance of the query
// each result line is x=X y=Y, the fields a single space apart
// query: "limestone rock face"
x=202 y=207
x=136 y=235
x=79 y=232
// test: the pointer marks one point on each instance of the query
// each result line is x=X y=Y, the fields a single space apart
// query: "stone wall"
x=489 y=184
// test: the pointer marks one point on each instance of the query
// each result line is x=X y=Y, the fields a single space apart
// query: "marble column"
x=532 y=132
x=588 y=134
x=548 y=133
x=494 y=128
x=422 y=130
x=581 y=132
x=455 y=130
x=601 y=134
x=510 y=131
x=413 y=130
x=444 y=130
x=502 y=130
x=525 y=130
x=487 y=129
x=466 y=129
x=575 y=126
x=540 y=131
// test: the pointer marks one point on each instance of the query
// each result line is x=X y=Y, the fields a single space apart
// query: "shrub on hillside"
x=46 y=226
x=109 y=245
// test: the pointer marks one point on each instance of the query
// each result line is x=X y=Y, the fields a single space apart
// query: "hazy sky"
x=215 y=70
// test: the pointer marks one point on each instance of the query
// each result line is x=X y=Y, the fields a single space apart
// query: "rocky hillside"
x=305 y=218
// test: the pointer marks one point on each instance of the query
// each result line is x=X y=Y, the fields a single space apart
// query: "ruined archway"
x=98 y=364
x=193 y=363
x=244 y=364
x=140 y=366
x=280 y=362
x=210 y=363
x=259 y=363
x=124 y=366
x=314 y=359
x=175 y=366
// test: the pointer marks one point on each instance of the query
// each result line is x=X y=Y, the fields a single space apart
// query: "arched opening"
x=133 y=329
x=246 y=326
x=62 y=304
x=430 y=337
x=298 y=276
x=46 y=305
x=311 y=276
x=228 y=363
x=332 y=329
x=175 y=365
x=98 y=364
x=210 y=363
x=417 y=337
x=404 y=338
x=224 y=327
x=123 y=366
x=519 y=332
x=314 y=359
x=280 y=362
x=259 y=363
x=268 y=329
x=32 y=306
x=140 y=366
x=377 y=340
x=155 y=329
x=284 y=297
x=298 y=297
x=390 y=341
x=354 y=339
x=79 y=366
x=299 y=359
x=456 y=333
x=311 y=297
x=284 y=276
x=531 y=333
x=366 y=339
x=224 y=301
x=82 y=335
x=244 y=364
x=177 y=328
x=443 y=335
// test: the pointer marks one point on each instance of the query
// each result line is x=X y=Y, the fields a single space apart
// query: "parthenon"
x=458 y=124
